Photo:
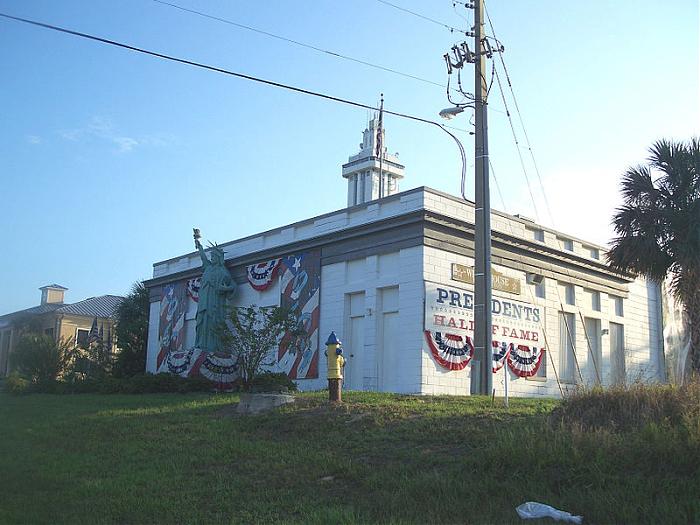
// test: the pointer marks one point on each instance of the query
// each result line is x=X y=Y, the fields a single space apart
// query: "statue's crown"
x=215 y=248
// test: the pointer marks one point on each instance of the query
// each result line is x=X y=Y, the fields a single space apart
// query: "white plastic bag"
x=532 y=510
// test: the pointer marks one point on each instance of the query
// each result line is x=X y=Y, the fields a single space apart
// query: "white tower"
x=363 y=170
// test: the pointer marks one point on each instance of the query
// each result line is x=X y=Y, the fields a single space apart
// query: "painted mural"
x=449 y=329
x=300 y=283
x=171 y=329
x=300 y=290
x=173 y=357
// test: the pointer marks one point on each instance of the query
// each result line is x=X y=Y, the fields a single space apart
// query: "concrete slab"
x=256 y=403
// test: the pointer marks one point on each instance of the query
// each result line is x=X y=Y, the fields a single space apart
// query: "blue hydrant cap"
x=338 y=351
x=333 y=339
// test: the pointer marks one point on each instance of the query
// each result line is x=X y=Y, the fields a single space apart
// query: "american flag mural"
x=300 y=290
x=171 y=329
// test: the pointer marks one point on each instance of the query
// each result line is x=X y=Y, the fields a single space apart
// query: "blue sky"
x=108 y=158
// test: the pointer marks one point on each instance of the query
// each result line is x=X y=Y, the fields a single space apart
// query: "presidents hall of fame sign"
x=517 y=328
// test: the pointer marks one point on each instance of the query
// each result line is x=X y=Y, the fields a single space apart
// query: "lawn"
x=377 y=458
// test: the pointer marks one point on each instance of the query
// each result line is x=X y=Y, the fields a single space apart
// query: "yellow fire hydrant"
x=336 y=362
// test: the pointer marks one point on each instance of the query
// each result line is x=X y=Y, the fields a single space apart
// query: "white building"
x=392 y=277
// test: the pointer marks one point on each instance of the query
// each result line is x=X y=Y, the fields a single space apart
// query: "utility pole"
x=461 y=55
x=482 y=236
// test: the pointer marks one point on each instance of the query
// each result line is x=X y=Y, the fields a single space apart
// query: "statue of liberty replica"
x=216 y=286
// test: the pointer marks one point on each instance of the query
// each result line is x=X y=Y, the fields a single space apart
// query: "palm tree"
x=658 y=227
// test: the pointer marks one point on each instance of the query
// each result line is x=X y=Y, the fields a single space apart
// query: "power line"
x=244 y=76
x=215 y=69
x=298 y=43
x=451 y=28
x=520 y=118
x=527 y=286
x=534 y=204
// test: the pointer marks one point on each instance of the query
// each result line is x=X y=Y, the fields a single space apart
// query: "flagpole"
x=380 y=147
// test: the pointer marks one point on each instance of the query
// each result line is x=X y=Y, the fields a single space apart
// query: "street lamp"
x=450 y=113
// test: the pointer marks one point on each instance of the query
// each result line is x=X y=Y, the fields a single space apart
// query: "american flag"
x=300 y=282
x=379 y=128
x=94 y=332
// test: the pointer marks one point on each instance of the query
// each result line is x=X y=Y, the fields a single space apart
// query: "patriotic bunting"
x=524 y=361
x=261 y=275
x=500 y=352
x=450 y=350
x=193 y=288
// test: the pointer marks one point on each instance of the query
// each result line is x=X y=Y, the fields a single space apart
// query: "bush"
x=273 y=382
x=14 y=384
x=629 y=408
x=41 y=358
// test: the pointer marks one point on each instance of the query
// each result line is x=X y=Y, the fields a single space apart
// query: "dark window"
x=82 y=337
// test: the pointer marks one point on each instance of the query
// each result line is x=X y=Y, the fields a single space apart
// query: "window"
x=354 y=190
x=617 y=354
x=617 y=306
x=593 y=339
x=592 y=299
x=82 y=337
x=540 y=289
x=567 y=293
x=536 y=234
x=361 y=196
x=593 y=252
x=566 y=244
x=567 y=336
x=542 y=370
x=49 y=332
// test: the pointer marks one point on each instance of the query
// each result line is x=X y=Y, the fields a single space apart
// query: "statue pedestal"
x=256 y=403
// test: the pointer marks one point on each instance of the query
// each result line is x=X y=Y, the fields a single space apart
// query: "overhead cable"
x=447 y=26
x=242 y=75
x=299 y=43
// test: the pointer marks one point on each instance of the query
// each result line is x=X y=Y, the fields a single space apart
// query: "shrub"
x=40 y=358
x=628 y=408
x=273 y=382
x=14 y=384
x=254 y=333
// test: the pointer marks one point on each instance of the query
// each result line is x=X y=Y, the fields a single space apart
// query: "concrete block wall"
x=370 y=275
x=641 y=321
x=310 y=228
x=643 y=333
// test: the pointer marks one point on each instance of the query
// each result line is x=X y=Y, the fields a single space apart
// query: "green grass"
x=389 y=459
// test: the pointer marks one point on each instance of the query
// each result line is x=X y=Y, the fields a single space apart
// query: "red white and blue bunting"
x=193 y=288
x=524 y=361
x=500 y=353
x=450 y=350
x=261 y=275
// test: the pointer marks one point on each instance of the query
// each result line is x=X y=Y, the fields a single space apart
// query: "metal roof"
x=102 y=306
x=35 y=310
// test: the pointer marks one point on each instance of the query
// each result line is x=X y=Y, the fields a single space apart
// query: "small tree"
x=93 y=360
x=132 y=332
x=40 y=358
x=253 y=334
x=658 y=227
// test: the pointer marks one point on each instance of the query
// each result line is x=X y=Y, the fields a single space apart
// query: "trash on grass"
x=533 y=510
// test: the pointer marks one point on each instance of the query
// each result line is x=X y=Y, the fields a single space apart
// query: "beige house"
x=59 y=320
